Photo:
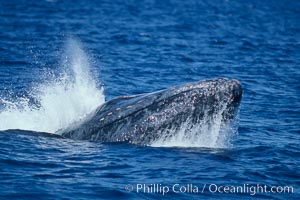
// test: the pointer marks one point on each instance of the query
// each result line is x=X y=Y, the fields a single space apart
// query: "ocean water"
x=59 y=60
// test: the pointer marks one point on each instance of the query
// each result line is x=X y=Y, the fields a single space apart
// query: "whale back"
x=123 y=106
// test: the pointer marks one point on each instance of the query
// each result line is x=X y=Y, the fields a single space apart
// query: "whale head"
x=143 y=119
x=194 y=108
x=210 y=96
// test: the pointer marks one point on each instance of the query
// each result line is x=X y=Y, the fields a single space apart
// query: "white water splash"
x=211 y=132
x=62 y=99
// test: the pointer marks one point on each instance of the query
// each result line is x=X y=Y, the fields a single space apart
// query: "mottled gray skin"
x=142 y=118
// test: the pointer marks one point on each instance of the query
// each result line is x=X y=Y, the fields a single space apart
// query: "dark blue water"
x=142 y=46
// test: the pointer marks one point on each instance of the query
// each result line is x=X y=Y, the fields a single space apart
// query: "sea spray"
x=60 y=100
x=210 y=132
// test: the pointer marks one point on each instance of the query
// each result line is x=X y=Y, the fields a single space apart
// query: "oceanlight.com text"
x=251 y=189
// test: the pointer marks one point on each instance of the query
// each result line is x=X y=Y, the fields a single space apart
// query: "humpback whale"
x=141 y=119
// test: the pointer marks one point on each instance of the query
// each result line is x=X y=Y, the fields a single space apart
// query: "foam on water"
x=210 y=132
x=61 y=99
